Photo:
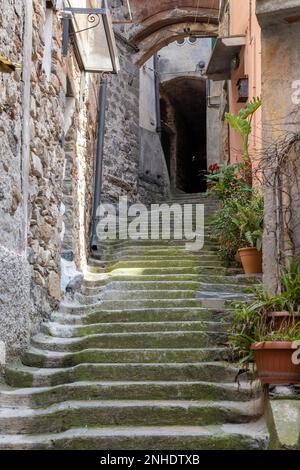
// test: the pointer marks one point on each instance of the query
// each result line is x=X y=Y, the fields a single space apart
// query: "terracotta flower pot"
x=281 y=320
x=251 y=260
x=274 y=363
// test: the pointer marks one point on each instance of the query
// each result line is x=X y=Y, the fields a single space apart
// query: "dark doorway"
x=187 y=96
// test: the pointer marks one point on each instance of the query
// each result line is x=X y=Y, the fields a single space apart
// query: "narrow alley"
x=150 y=240
x=140 y=354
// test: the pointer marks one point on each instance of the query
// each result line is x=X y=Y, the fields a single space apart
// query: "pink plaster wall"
x=243 y=21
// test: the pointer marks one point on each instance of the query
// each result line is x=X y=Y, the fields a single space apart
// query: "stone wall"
x=280 y=69
x=79 y=147
x=154 y=181
x=47 y=163
x=121 y=146
x=34 y=117
x=16 y=308
x=11 y=214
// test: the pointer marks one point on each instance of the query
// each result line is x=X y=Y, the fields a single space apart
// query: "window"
x=192 y=40
x=180 y=41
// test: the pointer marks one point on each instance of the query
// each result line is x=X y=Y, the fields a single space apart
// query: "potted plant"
x=284 y=309
x=256 y=337
x=249 y=219
x=274 y=357
x=229 y=188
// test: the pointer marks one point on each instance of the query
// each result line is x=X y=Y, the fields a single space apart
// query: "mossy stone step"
x=170 y=270
x=67 y=331
x=143 y=285
x=85 y=375
x=148 y=294
x=69 y=414
x=42 y=358
x=141 y=315
x=153 y=390
x=231 y=437
x=151 y=303
x=174 y=264
x=143 y=340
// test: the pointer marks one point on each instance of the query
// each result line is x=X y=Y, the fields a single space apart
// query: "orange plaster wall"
x=243 y=21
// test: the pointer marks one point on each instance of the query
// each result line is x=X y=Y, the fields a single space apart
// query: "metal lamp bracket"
x=93 y=17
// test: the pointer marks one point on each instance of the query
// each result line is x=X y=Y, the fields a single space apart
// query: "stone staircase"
x=138 y=359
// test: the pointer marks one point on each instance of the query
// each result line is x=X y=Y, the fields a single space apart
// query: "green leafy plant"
x=239 y=223
x=249 y=219
x=250 y=323
x=289 y=299
x=226 y=232
x=242 y=123
x=228 y=182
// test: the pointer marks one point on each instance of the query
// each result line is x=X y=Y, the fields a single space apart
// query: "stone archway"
x=157 y=23
x=160 y=22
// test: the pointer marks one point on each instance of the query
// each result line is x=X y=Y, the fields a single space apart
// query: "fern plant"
x=242 y=122
x=249 y=219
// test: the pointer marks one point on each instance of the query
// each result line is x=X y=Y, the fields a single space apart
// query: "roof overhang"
x=225 y=50
x=273 y=12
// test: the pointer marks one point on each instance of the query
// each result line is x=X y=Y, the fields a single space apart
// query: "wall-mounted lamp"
x=243 y=90
x=201 y=67
x=94 y=40
x=235 y=62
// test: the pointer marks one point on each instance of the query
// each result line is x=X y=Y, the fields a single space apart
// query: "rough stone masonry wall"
x=79 y=147
x=15 y=274
x=47 y=163
x=121 y=147
x=30 y=252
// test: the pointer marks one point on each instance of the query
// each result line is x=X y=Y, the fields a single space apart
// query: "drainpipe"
x=25 y=142
x=99 y=160
x=157 y=94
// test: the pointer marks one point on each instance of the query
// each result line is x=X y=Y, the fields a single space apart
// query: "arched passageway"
x=183 y=112
x=158 y=23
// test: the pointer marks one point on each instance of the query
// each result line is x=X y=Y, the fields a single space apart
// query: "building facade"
x=256 y=56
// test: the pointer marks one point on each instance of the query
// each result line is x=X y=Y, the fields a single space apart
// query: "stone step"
x=141 y=315
x=156 y=251
x=131 y=340
x=183 y=287
x=143 y=285
x=233 y=288
x=42 y=358
x=24 y=376
x=67 y=331
x=93 y=413
x=157 y=258
x=174 y=279
x=229 y=437
x=170 y=270
x=152 y=263
x=118 y=294
x=115 y=244
x=151 y=303
x=147 y=390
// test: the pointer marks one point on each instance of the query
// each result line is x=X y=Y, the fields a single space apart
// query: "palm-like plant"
x=242 y=122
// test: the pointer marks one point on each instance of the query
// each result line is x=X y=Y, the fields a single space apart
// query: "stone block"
x=15 y=303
